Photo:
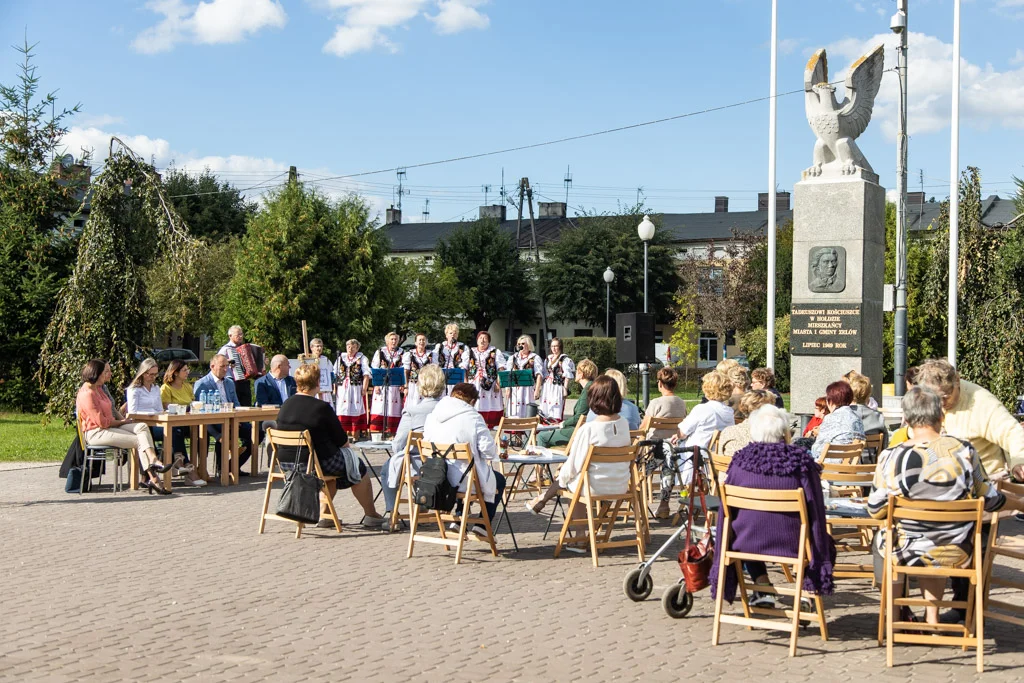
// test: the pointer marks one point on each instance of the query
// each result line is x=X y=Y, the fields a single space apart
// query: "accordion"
x=252 y=360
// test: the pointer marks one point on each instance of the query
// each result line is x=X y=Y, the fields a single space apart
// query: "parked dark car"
x=165 y=356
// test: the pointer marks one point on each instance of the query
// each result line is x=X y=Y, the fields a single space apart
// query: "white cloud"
x=458 y=15
x=367 y=23
x=1017 y=58
x=987 y=97
x=789 y=45
x=858 y=6
x=215 y=21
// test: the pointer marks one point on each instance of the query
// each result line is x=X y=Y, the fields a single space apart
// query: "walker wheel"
x=677 y=601
x=634 y=590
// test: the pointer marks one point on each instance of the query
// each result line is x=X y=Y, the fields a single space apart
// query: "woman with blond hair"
x=519 y=398
x=144 y=398
x=630 y=413
x=451 y=354
x=386 y=409
x=738 y=435
x=352 y=377
x=414 y=361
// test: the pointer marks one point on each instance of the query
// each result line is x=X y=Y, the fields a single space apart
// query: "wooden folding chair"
x=765 y=500
x=405 y=482
x=853 y=535
x=1012 y=547
x=564 y=450
x=603 y=511
x=714 y=445
x=472 y=494
x=972 y=631
x=875 y=443
x=848 y=453
x=532 y=482
x=298 y=440
x=651 y=482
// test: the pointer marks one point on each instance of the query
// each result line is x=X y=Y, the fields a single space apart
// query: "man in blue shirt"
x=218 y=381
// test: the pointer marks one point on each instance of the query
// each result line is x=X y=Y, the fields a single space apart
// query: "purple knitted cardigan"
x=778 y=466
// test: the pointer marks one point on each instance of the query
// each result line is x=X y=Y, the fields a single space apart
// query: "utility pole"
x=568 y=183
x=639 y=191
x=401 y=179
x=293 y=175
x=515 y=248
x=536 y=253
x=426 y=209
x=899 y=26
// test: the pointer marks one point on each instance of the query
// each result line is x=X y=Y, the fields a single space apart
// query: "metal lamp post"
x=646 y=232
x=609 y=277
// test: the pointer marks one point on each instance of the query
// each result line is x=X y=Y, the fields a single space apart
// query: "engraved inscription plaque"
x=825 y=329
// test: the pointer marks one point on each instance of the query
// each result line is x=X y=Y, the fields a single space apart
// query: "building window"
x=708 y=346
x=583 y=333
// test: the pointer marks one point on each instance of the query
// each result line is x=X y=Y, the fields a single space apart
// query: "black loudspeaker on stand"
x=634 y=338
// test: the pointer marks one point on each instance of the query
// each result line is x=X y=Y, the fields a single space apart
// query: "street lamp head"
x=646 y=229
x=609 y=276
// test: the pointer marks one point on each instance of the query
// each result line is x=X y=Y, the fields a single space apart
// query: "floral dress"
x=392 y=404
x=521 y=397
x=349 y=405
x=413 y=363
x=482 y=371
x=552 y=395
x=451 y=356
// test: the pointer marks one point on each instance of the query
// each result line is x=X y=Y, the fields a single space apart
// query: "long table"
x=199 y=446
x=254 y=416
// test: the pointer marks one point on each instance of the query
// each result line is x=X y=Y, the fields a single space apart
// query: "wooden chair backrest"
x=969 y=510
x=763 y=500
x=576 y=430
x=519 y=424
x=713 y=443
x=607 y=455
x=650 y=423
x=845 y=474
x=636 y=435
x=719 y=467
x=848 y=452
x=280 y=437
x=460 y=451
x=876 y=441
x=414 y=441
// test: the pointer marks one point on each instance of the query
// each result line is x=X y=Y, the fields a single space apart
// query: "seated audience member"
x=609 y=429
x=973 y=414
x=456 y=420
x=871 y=402
x=431 y=387
x=176 y=388
x=737 y=436
x=739 y=376
x=666 y=405
x=937 y=467
x=820 y=411
x=629 y=410
x=769 y=462
x=872 y=419
x=764 y=378
x=304 y=410
x=217 y=381
x=145 y=397
x=274 y=388
x=102 y=425
x=586 y=372
x=842 y=425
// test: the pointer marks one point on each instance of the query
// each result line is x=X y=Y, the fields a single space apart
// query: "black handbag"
x=300 y=499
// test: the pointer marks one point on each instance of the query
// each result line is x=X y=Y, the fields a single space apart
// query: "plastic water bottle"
x=216 y=402
x=202 y=399
x=206 y=401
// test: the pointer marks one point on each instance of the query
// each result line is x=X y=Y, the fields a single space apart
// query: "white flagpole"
x=771 y=189
x=954 y=190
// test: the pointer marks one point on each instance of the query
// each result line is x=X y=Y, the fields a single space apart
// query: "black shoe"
x=952 y=616
x=247 y=474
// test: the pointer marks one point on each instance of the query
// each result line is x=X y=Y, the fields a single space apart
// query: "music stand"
x=387 y=378
x=453 y=376
x=514 y=378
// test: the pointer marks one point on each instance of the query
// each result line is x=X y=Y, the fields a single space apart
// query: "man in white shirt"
x=217 y=380
x=274 y=388
x=243 y=387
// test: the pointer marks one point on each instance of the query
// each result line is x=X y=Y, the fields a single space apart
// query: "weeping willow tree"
x=102 y=311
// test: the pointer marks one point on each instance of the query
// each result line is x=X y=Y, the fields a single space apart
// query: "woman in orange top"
x=820 y=411
x=104 y=426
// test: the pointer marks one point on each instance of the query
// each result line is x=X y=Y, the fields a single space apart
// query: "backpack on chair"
x=433 y=490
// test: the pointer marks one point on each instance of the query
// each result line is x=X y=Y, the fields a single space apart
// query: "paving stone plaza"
x=134 y=587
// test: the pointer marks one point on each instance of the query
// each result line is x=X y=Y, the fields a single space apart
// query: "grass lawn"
x=24 y=438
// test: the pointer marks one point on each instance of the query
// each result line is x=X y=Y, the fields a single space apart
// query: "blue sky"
x=335 y=87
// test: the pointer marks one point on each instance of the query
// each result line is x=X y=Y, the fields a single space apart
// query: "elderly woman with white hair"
x=771 y=462
x=316 y=353
x=386 y=406
x=519 y=398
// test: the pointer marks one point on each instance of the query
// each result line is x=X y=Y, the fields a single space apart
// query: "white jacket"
x=455 y=421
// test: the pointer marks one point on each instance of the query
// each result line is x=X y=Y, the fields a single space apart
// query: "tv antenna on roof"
x=426 y=209
x=568 y=183
x=639 y=191
x=486 y=189
x=401 y=191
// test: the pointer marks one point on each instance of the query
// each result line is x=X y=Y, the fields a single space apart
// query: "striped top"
x=946 y=469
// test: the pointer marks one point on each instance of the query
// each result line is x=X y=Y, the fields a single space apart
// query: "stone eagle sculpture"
x=837 y=124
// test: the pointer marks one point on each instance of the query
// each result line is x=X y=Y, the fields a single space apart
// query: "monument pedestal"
x=838 y=275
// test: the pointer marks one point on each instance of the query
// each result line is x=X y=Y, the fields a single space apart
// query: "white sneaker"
x=325 y=523
x=197 y=482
